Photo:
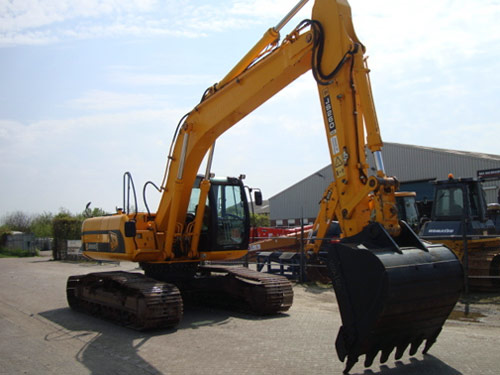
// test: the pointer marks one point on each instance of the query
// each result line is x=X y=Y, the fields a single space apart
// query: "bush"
x=17 y=253
x=65 y=227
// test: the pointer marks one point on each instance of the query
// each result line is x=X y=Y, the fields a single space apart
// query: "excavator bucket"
x=391 y=295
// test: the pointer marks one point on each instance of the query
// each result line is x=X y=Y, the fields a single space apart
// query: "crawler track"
x=239 y=288
x=484 y=270
x=130 y=299
x=483 y=260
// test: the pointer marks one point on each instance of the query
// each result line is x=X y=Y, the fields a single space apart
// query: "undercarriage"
x=156 y=300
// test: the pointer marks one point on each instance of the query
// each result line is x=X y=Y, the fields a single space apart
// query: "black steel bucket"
x=392 y=293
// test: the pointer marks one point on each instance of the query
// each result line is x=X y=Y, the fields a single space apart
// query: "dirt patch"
x=483 y=308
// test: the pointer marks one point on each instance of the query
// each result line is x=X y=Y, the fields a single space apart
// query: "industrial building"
x=414 y=166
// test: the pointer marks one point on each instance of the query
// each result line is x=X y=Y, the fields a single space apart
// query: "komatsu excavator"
x=460 y=220
x=393 y=290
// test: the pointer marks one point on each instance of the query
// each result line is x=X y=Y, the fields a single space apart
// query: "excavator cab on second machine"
x=460 y=221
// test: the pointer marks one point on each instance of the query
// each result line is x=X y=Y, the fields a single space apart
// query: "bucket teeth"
x=430 y=341
x=350 y=363
x=428 y=345
x=370 y=357
x=385 y=354
x=415 y=344
x=400 y=349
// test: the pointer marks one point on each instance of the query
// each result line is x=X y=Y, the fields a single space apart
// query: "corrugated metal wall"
x=301 y=200
x=411 y=163
x=406 y=162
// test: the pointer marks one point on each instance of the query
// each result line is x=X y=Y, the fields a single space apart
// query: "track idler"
x=392 y=293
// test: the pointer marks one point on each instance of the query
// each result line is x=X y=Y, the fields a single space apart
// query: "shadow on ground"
x=108 y=348
x=428 y=365
x=105 y=348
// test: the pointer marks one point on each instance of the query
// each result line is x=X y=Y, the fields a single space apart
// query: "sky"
x=91 y=89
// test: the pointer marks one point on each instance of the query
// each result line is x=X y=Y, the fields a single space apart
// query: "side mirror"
x=258 y=198
x=130 y=230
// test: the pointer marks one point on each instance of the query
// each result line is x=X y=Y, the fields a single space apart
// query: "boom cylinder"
x=290 y=15
x=185 y=140
x=379 y=162
x=270 y=36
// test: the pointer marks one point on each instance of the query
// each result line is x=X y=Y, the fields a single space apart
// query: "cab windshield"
x=230 y=215
x=449 y=202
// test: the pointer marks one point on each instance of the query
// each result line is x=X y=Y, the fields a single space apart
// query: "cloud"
x=404 y=30
x=125 y=76
x=49 y=21
x=59 y=163
x=33 y=22
x=267 y=9
x=75 y=159
x=402 y=33
x=21 y=15
x=99 y=100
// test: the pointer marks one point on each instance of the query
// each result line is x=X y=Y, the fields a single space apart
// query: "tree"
x=17 y=221
x=4 y=231
x=95 y=212
x=259 y=220
x=41 y=225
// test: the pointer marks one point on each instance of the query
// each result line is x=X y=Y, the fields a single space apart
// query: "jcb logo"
x=113 y=241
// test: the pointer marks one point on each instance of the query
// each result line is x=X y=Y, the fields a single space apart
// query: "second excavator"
x=393 y=290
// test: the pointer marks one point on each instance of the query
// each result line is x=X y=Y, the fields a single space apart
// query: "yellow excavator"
x=393 y=290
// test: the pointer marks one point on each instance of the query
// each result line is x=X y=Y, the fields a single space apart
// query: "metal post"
x=302 y=277
x=252 y=235
x=466 y=255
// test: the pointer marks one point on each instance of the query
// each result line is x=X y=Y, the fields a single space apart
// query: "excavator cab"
x=460 y=221
x=407 y=208
x=226 y=219
x=454 y=200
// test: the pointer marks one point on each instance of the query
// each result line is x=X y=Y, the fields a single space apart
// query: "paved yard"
x=41 y=335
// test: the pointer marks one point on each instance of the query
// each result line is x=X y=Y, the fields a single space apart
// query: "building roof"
x=391 y=148
x=469 y=154
x=408 y=163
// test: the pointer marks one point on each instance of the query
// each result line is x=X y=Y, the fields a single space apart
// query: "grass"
x=17 y=253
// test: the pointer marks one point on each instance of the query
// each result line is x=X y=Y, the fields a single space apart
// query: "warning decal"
x=339 y=172
x=335 y=145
